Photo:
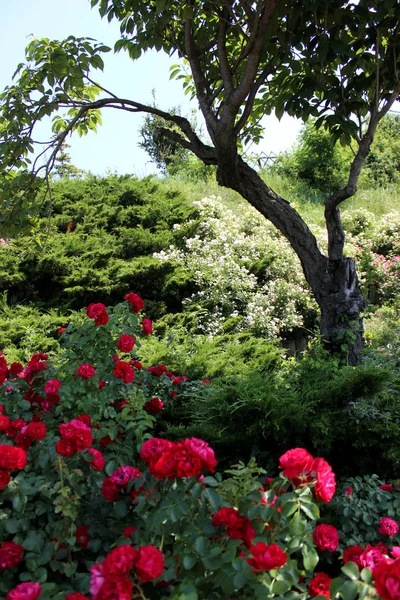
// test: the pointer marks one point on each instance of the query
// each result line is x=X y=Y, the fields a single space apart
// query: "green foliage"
x=383 y=163
x=258 y=404
x=316 y=159
x=103 y=233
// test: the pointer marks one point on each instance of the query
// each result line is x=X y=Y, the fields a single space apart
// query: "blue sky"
x=115 y=146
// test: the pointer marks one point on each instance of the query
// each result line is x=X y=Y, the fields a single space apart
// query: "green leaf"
x=351 y=570
x=366 y=575
x=214 y=499
x=200 y=545
x=310 y=509
x=350 y=590
x=189 y=561
x=310 y=558
x=12 y=525
x=240 y=580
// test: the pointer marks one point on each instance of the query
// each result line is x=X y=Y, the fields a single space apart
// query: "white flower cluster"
x=246 y=273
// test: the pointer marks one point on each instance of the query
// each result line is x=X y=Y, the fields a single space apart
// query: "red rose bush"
x=93 y=506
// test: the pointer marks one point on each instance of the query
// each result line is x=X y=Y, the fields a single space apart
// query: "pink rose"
x=25 y=591
x=388 y=526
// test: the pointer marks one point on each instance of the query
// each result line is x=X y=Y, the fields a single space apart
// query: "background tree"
x=337 y=62
x=63 y=167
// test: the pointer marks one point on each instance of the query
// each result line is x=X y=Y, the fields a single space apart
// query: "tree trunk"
x=334 y=283
x=341 y=302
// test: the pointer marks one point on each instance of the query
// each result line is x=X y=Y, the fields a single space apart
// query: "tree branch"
x=224 y=66
x=199 y=80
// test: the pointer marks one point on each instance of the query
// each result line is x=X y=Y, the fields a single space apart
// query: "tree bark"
x=334 y=283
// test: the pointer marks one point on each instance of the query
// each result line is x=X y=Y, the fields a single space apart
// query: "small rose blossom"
x=86 y=371
x=125 y=343
x=135 y=301
x=386 y=487
x=82 y=536
x=36 y=430
x=295 y=461
x=98 y=461
x=25 y=591
x=349 y=491
x=61 y=330
x=149 y=564
x=12 y=458
x=326 y=537
x=129 y=530
x=352 y=554
x=147 y=327
x=10 y=555
x=388 y=526
x=120 y=561
x=52 y=386
x=266 y=557
x=98 y=312
x=154 y=406
x=319 y=585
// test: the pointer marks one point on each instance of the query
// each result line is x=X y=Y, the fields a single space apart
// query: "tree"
x=336 y=61
x=63 y=167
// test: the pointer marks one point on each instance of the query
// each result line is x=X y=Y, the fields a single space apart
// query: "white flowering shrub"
x=246 y=273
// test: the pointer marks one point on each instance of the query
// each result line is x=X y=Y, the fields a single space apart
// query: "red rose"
x=25 y=591
x=86 y=419
x=66 y=447
x=326 y=485
x=36 y=430
x=123 y=475
x=110 y=490
x=295 y=461
x=166 y=465
x=120 y=561
x=23 y=440
x=153 y=448
x=76 y=596
x=125 y=343
x=61 y=330
x=150 y=563
x=4 y=478
x=52 y=386
x=10 y=555
x=136 y=363
x=238 y=527
x=147 y=327
x=12 y=458
x=157 y=370
x=98 y=461
x=124 y=371
x=82 y=536
x=101 y=384
x=352 y=554
x=388 y=526
x=16 y=368
x=201 y=449
x=18 y=424
x=4 y=423
x=115 y=588
x=98 y=312
x=135 y=301
x=187 y=464
x=266 y=557
x=154 y=406
x=387 y=487
x=129 y=530
x=85 y=371
x=326 y=537
x=319 y=585
x=387 y=579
